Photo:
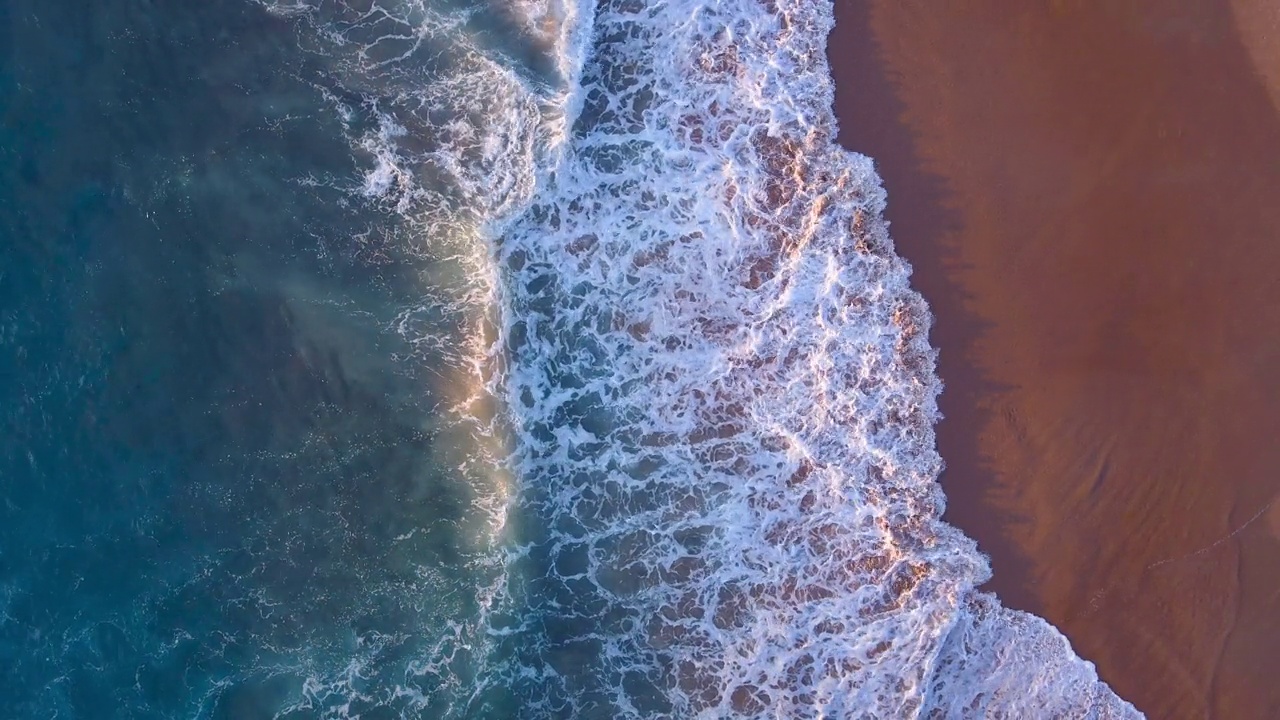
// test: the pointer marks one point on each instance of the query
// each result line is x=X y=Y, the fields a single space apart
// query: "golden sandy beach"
x=1090 y=195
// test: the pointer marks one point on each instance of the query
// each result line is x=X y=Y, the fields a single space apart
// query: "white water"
x=724 y=404
x=712 y=369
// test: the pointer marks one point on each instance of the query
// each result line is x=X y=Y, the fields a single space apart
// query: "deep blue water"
x=218 y=491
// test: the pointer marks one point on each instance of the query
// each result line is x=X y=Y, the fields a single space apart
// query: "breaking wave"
x=454 y=110
x=691 y=368
x=723 y=402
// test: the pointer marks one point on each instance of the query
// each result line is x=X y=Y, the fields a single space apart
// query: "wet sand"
x=1090 y=195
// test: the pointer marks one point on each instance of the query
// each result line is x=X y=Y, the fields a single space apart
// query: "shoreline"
x=1085 y=195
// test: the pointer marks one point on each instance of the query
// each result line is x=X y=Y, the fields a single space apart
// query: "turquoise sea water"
x=222 y=491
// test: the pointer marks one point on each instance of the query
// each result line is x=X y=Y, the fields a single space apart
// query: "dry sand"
x=1090 y=195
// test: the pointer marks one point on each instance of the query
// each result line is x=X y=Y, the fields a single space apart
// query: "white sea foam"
x=724 y=403
x=714 y=369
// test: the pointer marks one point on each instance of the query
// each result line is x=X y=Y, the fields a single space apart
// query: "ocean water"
x=469 y=358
